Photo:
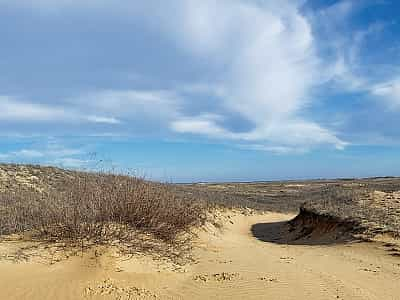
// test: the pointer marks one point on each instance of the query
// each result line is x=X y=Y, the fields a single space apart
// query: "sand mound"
x=308 y=228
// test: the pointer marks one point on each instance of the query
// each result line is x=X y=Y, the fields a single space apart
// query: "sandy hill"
x=115 y=237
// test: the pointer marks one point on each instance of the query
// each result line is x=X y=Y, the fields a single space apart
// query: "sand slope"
x=229 y=264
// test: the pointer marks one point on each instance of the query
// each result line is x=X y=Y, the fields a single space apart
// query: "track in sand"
x=246 y=259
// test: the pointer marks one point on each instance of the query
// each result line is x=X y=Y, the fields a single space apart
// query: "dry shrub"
x=334 y=200
x=349 y=200
x=99 y=207
x=356 y=204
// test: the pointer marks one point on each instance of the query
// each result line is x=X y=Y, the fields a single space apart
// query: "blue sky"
x=188 y=90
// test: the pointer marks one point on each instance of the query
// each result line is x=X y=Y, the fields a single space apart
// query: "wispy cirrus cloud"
x=347 y=47
x=203 y=124
x=261 y=62
x=389 y=91
x=130 y=103
x=104 y=120
x=15 y=110
x=49 y=152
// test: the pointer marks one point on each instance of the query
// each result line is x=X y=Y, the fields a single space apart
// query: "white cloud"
x=28 y=153
x=22 y=154
x=156 y=104
x=68 y=162
x=268 y=54
x=55 y=149
x=15 y=110
x=283 y=137
x=202 y=88
x=274 y=149
x=203 y=124
x=390 y=91
x=346 y=69
x=264 y=54
x=49 y=152
x=337 y=14
x=295 y=134
x=105 y=120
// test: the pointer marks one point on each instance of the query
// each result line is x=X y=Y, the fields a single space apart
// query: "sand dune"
x=228 y=263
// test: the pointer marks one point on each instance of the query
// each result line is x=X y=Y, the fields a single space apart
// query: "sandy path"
x=230 y=264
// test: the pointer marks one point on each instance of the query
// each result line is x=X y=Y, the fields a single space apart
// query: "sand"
x=229 y=263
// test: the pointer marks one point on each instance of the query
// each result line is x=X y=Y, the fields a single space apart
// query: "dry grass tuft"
x=99 y=208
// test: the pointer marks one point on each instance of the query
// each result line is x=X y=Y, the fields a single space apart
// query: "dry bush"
x=56 y=204
x=100 y=208
x=218 y=199
x=356 y=205
x=333 y=200
x=348 y=200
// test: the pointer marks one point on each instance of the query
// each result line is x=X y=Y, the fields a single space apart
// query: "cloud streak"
x=15 y=110
x=263 y=61
x=389 y=91
x=50 y=152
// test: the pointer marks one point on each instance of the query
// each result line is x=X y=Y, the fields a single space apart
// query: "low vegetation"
x=51 y=204
x=373 y=203
x=98 y=207
x=376 y=211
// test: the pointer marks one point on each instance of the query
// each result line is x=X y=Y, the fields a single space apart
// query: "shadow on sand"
x=301 y=232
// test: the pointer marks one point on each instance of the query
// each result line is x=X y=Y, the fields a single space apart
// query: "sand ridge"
x=228 y=263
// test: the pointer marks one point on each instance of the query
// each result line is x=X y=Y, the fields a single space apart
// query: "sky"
x=211 y=90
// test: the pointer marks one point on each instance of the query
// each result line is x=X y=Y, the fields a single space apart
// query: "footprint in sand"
x=221 y=261
x=268 y=279
x=370 y=270
x=108 y=287
x=287 y=259
x=217 y=277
